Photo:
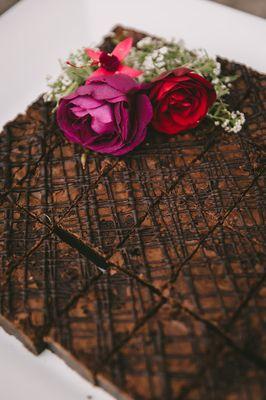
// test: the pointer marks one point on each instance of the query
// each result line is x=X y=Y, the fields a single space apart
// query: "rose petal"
x=122 y=82
x=101 y=127
x=99 y=72
x=103 y=113
x=133 y=73
x=79 y=112
x=87 y=102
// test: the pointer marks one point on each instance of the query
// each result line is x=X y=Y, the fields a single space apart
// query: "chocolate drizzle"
x=148 y=276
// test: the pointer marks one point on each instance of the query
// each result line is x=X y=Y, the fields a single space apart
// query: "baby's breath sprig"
x=74 y=73
x=230 y=121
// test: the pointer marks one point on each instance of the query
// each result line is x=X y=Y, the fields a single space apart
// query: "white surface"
x=33 y=35
x=24 y=376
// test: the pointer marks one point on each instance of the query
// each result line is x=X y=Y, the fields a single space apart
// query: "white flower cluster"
x=73 y=75
x=155 y=59
x=77 y=57
x=217 y=69
x=145 y=42
x=233 y=123
x=237 y=121
x=148 y=63
x=47 y=96
x=220 y=87
x=62 y=84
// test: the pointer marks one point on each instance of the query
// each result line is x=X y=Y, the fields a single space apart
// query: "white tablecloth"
x=33 y=36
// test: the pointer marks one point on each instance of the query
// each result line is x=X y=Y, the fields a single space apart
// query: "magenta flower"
x=111 y=63
x=110 y=115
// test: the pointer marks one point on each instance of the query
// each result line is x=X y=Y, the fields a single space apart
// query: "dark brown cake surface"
x=178 y=226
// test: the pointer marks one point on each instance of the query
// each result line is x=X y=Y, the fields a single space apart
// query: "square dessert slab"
x=180 y=225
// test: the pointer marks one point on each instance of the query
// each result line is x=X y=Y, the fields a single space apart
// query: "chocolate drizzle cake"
x=145 y=273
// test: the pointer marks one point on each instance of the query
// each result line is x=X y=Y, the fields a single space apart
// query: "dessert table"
x=33 y=36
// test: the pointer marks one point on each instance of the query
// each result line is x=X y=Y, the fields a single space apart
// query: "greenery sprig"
x=74 y=73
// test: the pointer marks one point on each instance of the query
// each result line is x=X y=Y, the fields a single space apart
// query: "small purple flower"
x=108 y=115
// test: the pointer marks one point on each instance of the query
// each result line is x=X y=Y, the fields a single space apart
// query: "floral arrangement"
x=106 y=101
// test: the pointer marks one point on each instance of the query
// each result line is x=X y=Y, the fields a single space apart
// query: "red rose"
x=180 y=99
